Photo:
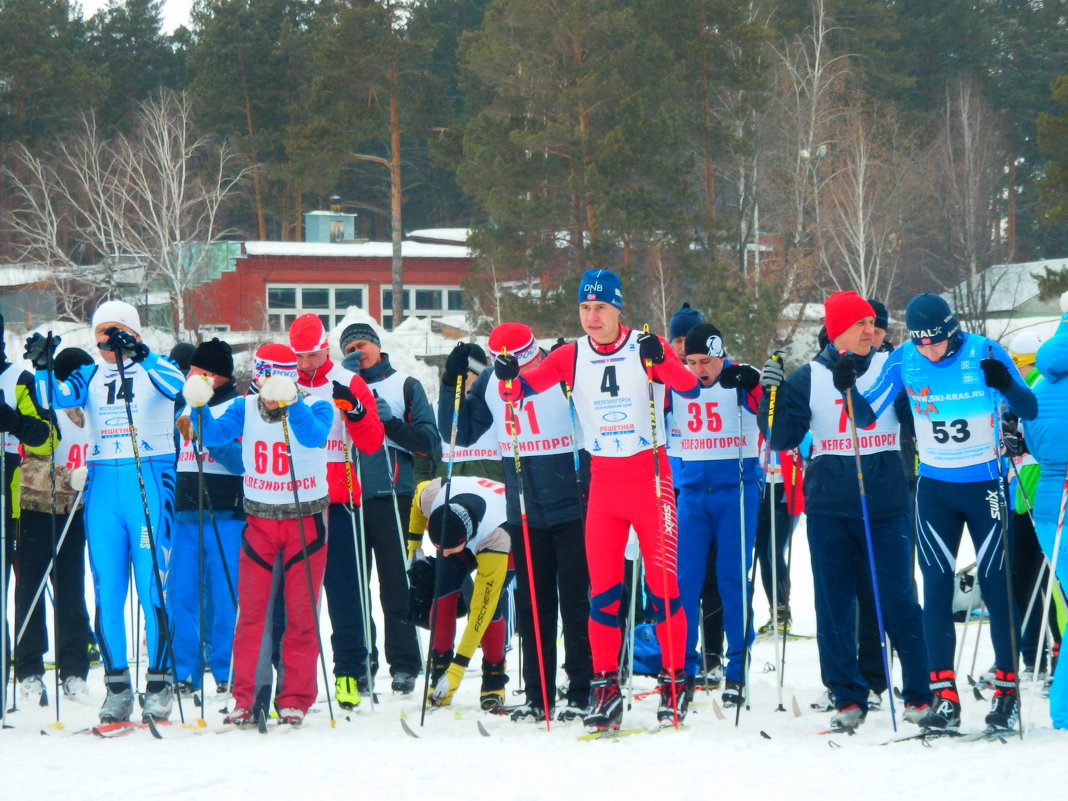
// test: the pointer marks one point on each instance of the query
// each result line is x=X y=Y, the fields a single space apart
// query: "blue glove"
x=385 y=413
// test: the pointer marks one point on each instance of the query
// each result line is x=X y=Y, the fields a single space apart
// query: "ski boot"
x=945 y=711
x=531 y=710
x=403 y=683
x=493 y=680
x=733 y=694
x=712 y=678
x=291 y=716
x=32 y=691
x=347 y=692
x=673 y=698
x=915 y=711
x=784 y=621
x=75 y=689
x=825 y=703
x=118 y=706
x=158 y=698
x=439 y=663
x=875 y=701
x=578 y=705
x=607 y=713
x=691 y=689
x=240 y=717
x=186 y=689
x=848 y=719
x=222 y=688
x=1005 y=708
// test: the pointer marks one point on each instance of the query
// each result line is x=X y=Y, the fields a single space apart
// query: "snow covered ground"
x=368 y=755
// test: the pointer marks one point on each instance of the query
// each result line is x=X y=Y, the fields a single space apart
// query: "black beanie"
x=215 y=356
x=68 y=360
x=450 y=526
x=358 y=331
x=705 y=339
x=180 y=355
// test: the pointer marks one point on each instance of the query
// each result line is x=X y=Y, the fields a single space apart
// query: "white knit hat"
x=1025 y=343
x=117 y=311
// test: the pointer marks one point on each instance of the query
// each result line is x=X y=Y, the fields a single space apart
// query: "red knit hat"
x=842 y=309
x=517 y=338
x=274 y=359
x=307 y=334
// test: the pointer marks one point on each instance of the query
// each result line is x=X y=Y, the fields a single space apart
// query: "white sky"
x=175 y=12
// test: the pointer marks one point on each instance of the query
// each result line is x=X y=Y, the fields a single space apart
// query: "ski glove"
x=739 y=376
x=40 y=350
x=447 y=685
x=124 y=344
x=995 y=374
x=348 y=403
x=1013 y=442
x=773 y=374
x=844 y=374
x=279 y=389
x=77 y=478
x=197 y=390
x=185 y=428
x=456 y=364
x=414 y=544
x=385 y=413
x=506 y=367
x=650 y=348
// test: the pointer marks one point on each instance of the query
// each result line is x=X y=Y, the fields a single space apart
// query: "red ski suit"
x=623 y=495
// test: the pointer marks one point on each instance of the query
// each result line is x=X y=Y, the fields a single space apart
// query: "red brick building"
x=273 y=282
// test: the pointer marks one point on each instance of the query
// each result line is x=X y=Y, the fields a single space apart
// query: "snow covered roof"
x=12 y=275
x=361 y=250
x=458 y=235
x=1010 y=285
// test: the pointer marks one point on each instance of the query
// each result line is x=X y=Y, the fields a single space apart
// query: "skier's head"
x=307 y=337
x=450 y=528
x=362 y=346
x=882 y=322
x=180 y=355
x=679 y=326
x=214 y=359
x=1023 y=347
x=705 y=353
x=519 y=341
x=600 y=301
x=273 y=359
x=850 y=322
x=932 y=326
x=115 y=314
x=68 y=360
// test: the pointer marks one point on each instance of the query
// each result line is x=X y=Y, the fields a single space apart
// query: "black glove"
x=456 y=363
x=844 y=374
x=124 y=345
x=773 y=374
x=40 y=350
x=1013 y=442
x=506 y=367
x=348 y=403
x=735 y=376
x=560 y=342
x=995 y=374
x=650 y=348
x=10 y=421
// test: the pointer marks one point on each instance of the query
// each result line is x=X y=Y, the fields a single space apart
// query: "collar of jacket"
x=376 y=372
x=318 y=378
x=223 y=393
x=828 y=356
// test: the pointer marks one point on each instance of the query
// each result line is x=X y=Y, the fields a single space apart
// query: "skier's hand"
x=773 y=373
x=40 y=350
x=385 y=412
x=77 y=478
x=447 y=685
x=348 y=403
x=1013 y=442
x=506 y=367
x=185 y=428
x=278 y=389
x=456 y=364
x=844 y=373
x=650 y=348
x=995 y=374
x=735 y=376
x=197 y=390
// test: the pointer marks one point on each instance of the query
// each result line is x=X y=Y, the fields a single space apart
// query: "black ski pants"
x=341 y=583
x=562 y=587
x=783 y=529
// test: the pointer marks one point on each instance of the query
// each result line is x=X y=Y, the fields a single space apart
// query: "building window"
x=329 y=303
x=423 y=301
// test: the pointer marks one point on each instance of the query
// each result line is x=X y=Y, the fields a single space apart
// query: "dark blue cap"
x=602 y=285
x=930 y=320
x=682 y=321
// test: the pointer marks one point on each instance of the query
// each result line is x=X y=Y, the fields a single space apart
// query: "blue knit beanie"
x=930 y=320
x=682 y=321
x=602 y=285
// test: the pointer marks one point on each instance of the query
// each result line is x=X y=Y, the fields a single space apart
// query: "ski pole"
x=871 y=556
x=437 y=562
x=770 y=483
x=313 y=598
x=3 y=577
x=513 y=424
x=361 y=563
x=665 y=522
x=44 y=578
x=52 y=523
x=162 y=610
x=1003 y=514
x=1052 y=579
x=199 y=456
x=794 y=461
x=967 y=623
x=742 y=548
x=632 y=620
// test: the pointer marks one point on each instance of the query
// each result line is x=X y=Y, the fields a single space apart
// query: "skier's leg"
x=939 y=524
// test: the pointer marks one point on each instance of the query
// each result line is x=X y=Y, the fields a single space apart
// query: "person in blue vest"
x=1049 y=445
x=711 y=434
x=955 y=381
x=812 y=399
